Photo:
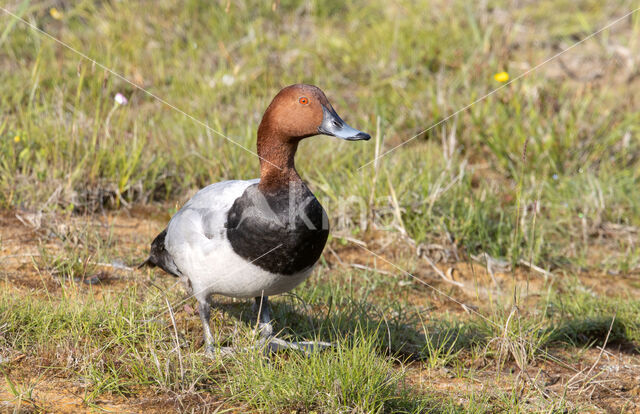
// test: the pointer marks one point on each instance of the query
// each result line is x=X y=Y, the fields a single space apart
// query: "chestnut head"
x=300 y=111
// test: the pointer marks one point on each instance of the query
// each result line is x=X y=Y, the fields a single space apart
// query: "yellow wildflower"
x=16 y=139
x=55 y=13
x=501 y=76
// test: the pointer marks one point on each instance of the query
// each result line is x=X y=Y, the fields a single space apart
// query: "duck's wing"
x=200 y=224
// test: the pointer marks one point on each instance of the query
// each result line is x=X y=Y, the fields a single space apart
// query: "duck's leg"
x=272 y=343
x=260 y=307
x=267 y=341
x=204 y=309
x=263 y=311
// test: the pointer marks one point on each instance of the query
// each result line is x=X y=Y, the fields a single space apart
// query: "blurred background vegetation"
x=544 y=172
x=562 y=142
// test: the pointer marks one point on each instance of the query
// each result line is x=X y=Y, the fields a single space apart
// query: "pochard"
x=256 y=238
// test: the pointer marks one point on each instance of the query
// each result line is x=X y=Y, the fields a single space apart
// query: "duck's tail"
x=160 y=257
x=146 y=263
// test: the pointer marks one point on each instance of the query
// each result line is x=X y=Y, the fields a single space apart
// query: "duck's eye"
x=303 y=100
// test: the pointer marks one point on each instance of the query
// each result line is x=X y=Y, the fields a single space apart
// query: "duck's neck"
x=277 y=166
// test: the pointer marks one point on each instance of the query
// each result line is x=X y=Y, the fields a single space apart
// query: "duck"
x=253 y=239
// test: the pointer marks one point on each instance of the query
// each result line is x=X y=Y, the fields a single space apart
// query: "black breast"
x=284 y=232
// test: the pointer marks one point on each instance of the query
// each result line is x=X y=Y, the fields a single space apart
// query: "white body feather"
x=197 y=241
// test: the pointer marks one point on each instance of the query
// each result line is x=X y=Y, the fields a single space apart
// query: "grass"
x=120 y=341
x=351 y=377
x=544 y=172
